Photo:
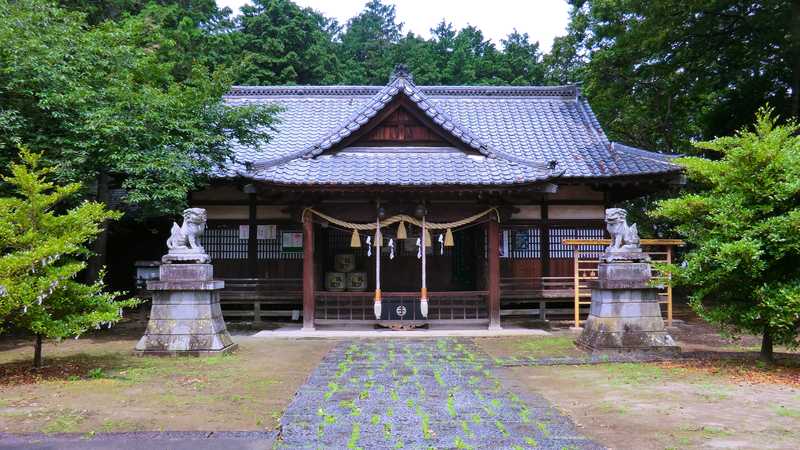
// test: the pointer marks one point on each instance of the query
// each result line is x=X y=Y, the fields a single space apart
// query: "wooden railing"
x=453 y=306
x=528 y=296
x=258 y=298
x=585 y=264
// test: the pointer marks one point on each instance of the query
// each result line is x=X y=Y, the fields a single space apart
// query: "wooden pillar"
x=669 y=288
x=494 y=274
x=252 y=242
x=576 y=283
x=544 y=239
x=308 y=272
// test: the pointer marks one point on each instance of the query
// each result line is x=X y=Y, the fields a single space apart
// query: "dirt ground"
x=729 y=400
x=638 y=406
x=97 y=385
x=725 y=398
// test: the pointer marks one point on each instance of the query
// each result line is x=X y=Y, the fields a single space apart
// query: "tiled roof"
x=518 y=129
x=409 y=167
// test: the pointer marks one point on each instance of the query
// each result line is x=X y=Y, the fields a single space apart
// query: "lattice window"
x=222 y=242
x=267 y=249
x=520 y=243
x=558 y=234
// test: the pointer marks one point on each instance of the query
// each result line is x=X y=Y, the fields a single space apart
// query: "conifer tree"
x=743 y=228
x=42 y=250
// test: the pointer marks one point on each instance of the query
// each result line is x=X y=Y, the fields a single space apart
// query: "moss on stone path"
x=418 y=393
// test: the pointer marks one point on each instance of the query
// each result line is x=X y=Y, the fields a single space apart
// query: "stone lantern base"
x=185 y=317
x=625 y=314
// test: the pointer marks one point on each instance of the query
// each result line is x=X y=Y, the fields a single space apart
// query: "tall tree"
x=105 y=106
x=200 y=31
x=41 y=253
x=564 y=64
x=664 y=72
x=743 y=227
x=420 y=56
x=472 y=60
x=367 y=42
x=521 y=61
x=98 y=11
x=281 y=43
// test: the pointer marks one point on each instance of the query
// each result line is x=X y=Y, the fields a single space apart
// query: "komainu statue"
x=624 y=237
x=184 y=240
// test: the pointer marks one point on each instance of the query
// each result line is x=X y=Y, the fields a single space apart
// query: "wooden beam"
x=493 y=299
x=677 y=242
x=308 y=272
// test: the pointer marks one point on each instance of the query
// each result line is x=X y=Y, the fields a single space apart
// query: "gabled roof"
x=400 y=84
x=524 y=135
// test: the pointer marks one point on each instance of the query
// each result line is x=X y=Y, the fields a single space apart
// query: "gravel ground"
x=418 y=393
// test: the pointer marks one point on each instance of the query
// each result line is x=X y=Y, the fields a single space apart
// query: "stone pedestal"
x=185 y=318
x=625 y=314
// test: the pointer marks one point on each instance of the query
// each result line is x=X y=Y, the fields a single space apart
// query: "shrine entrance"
x=356 y=287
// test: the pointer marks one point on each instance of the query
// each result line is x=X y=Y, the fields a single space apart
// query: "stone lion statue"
x=624 y=237
x=186 y=236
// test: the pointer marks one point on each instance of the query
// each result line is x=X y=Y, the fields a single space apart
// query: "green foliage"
x=97 y=373
x=118 y=102
x=282 y=43
x=659 y=74
x=663 y=72
x=42 y=250
x=743 y=226
x=355 y=435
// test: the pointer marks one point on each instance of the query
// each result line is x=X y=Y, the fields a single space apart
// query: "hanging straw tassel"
x=448 y=238
x=401 y=231
x=355 y=240
x=427 y=238
x=378 y=238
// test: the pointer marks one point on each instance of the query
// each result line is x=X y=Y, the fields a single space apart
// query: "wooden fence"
x=585 y=262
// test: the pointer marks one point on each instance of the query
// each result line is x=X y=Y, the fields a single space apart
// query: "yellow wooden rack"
x=585 y=265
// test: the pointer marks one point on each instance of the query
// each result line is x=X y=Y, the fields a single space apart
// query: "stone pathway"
x=138 y=440
x=418 y=394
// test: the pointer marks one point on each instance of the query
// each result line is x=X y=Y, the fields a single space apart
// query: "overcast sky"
x=543 y=20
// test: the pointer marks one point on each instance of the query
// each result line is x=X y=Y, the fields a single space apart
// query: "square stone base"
x=197 y=353
x=626 y=320
x=185 y=322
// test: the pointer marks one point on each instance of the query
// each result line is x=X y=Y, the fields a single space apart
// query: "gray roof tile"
x=519 y=129
x=409 y=168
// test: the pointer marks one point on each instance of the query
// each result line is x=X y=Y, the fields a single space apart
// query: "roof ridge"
x=592 y=121
x=662 y=158
x=401 y=84
x=563 y=91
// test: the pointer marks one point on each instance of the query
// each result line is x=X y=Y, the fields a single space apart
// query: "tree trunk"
x=37 y=352
x=99 y=247
x=766 y=346
x=794 y=34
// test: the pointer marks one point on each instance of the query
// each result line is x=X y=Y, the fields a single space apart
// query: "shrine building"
x=325 y=221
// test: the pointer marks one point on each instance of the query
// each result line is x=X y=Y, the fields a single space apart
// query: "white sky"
x=543 y=20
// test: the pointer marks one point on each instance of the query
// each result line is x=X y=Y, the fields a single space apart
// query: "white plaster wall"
x=237 y=212
x=219 y=193
x=575 y=192
x=527 y=212
x=226 y=211
x=271 y=212
x=576 y=212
